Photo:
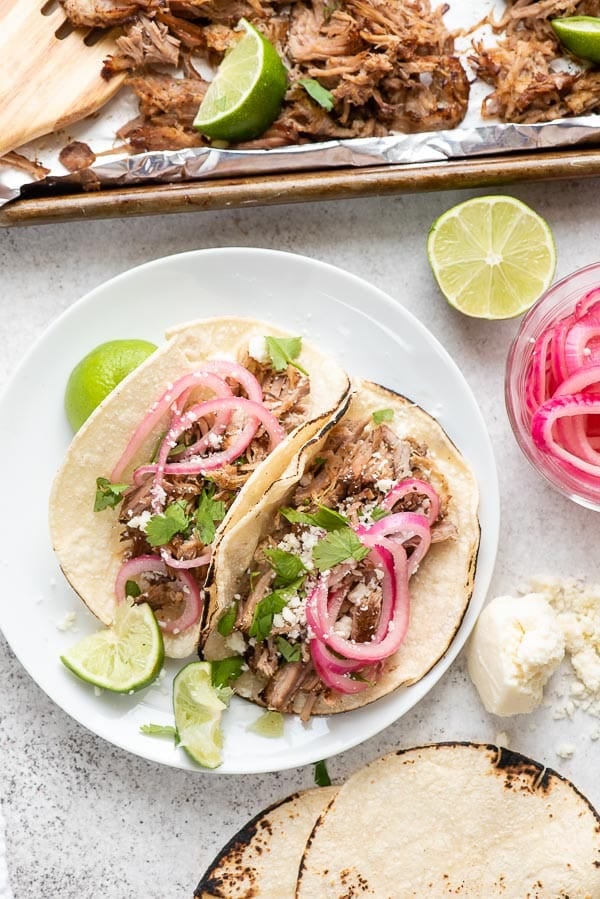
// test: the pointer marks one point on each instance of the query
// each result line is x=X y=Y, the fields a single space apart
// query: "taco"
x=263 y=858
x=353 y=574
x=454 y=819
x=185 y=444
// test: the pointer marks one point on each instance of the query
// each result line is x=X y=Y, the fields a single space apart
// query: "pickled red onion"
x=328 y=668
x=133 y=568
x=395 y=597
x=256 y=413
x=562 y=390
x=399 y=528
x=413 y=485
x=208 y=375
x=167 y=402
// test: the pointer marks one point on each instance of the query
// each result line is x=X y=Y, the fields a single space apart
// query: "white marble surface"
x=85 y=819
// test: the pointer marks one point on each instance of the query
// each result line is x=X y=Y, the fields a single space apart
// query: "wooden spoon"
x=49 y=76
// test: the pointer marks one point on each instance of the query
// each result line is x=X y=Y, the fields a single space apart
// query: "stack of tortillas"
x=442 y=820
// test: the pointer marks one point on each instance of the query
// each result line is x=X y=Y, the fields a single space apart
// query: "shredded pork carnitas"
x=389 y=64
x=351 y=474
x=526 y=68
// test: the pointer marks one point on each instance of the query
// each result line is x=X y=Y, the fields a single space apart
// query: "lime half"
x=492 y=257
x=122 y=658
x=198 y=707
x=98 y=374
x=246 y=94
x=580 y=35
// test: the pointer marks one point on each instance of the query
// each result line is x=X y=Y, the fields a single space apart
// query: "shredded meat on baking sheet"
x=389 y=64
x=523 y=67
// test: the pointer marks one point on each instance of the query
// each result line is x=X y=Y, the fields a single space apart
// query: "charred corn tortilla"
x=263 y=858
x=440 y=590
x=87 y=543
x=454 y=819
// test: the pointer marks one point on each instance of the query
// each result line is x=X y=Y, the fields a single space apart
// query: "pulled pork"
x=530 y=84
x=388 y=64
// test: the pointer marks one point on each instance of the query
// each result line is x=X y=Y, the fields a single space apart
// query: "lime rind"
x=580 y=35
x=198 y=708
x=492 y=257
x=98 y=373
x=246 y=94
x=123 y=658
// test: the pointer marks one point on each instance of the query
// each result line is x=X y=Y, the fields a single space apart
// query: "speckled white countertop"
x=85 y=819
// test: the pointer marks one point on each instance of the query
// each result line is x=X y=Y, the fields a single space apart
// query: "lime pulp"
x=123 y=658
x=198 y=708
x=492 y=257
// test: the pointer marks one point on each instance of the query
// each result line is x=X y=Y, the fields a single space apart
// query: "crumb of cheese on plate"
x=515 y=647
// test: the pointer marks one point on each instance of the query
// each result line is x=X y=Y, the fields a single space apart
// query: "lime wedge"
x=122 y=658
x=580 y=35
x=246 y=94
x=198 y=708
x=492 y=257
x=98 y=373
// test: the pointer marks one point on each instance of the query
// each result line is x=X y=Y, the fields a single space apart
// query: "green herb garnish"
x=161 y=528
x=321 y=775
x=287 y=566
x=267 y=608
x=160 y=730
x=325 y=518
x=291 y=652
x=223 y=671
x=377 y=513
x=336 y=547
x=208 y=514
x=383 y=415
x=282 y=352
x=227 y=620
x=318 y=93
x=108 y=495
x=132 y=589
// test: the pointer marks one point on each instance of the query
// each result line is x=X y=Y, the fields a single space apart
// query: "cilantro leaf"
x=225 y=670
x=160 y=730
x=321 y=775
x=318 y=93
x=356 y=675
x=377 y=513
x=132 y=589
x=227 y=620
x=264 y=612
x=383 y=415
x=108 y=495
x=287 y=566
x=336 y=547
x=325 y=518
x=282 y=352
x=161 y=528
x=291 y=652
x=208 y=514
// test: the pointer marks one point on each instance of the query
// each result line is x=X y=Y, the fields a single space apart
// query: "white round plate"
x=369 y=333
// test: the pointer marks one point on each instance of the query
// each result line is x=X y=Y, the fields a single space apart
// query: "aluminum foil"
x=114 y=166
x=400 y=149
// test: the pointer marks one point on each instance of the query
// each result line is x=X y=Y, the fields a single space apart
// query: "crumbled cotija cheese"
x=140 y=521
x=577 y=608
